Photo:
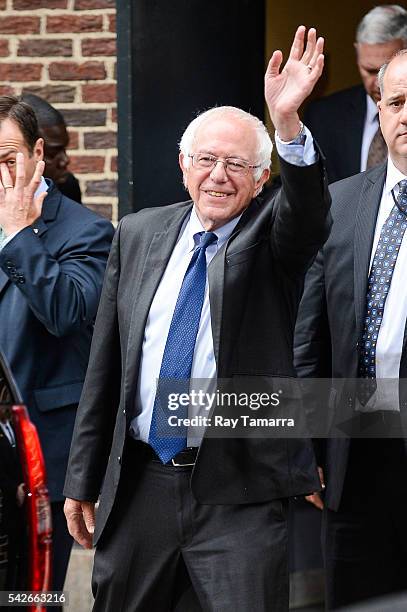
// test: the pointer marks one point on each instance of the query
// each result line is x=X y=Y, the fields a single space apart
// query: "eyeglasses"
x=233 y=165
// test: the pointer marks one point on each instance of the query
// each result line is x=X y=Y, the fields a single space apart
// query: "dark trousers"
x=365 y=542
x=159 y=540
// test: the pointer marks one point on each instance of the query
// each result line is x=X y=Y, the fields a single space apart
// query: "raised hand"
x=18 y=206
x=285 y=91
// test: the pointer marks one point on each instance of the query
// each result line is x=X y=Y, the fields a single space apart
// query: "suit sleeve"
x=312 y=347
x=97 y=411
x=302 y=220
x=312 y=342
x=62 y=290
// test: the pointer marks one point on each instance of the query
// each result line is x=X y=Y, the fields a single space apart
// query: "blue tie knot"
x=205 y=239
x=402 y=196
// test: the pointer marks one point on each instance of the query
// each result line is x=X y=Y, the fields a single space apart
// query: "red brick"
x=53 y=93
x=86 y=163
x=113 y=164
x=104 y=187
x=84 y=117
x=19 y=25
x=45 y=48
x=100 y=140
x=99 y=93
x=114 y=115
x=85 y=5
x=98 y=46
x=4 y=51
x=32 y=5
x=105 y=210
x=20 y=72
x=75 y=23
x=73 y=139
x=6 y=90
x=71 y=71
x=112 y=23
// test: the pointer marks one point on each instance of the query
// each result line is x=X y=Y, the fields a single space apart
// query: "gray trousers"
x=159 y=541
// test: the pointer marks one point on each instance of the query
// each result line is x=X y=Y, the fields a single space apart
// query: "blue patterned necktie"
x=176 y=363
x=381 y=272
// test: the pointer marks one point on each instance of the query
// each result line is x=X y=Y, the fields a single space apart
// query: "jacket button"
x=119 y=459
x=124 y=410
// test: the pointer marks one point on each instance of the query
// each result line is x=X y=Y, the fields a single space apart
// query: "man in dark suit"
x=53 y=254
x=52 y=129
x=345 y=124
x=209 y=511
x=355 y=307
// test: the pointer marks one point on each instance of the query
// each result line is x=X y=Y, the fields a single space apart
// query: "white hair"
x=383 y=24
x=264 y=144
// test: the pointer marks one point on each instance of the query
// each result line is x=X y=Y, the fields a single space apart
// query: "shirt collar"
x=41 y=187
x=223 y=233
x=393 y=177
x=371 y=110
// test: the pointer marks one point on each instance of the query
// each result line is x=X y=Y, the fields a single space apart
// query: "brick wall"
x=65 y=51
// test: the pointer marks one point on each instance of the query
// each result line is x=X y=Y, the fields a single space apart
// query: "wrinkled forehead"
x=375 y=55
x=227 y=135
x=11 y=137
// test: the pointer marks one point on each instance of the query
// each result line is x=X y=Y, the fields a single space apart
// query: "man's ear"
x=184 y=169
x=259 y=184
x=380 y=107
x=38 y=150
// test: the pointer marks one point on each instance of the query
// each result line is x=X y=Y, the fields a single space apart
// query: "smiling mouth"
x=217 y=194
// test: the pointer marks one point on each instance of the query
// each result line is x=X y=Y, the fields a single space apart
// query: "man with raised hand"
x=197 y=290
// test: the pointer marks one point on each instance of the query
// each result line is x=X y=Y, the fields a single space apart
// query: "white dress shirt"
x=159 y=321
x=391 y=333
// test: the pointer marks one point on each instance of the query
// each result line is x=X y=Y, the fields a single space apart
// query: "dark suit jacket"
x=255 y=282
x=337 y=122
x=332 y=309
x=50 y=281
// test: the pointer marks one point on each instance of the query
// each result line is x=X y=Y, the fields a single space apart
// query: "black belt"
x=185 y=458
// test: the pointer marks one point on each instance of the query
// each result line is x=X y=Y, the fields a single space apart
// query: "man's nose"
x=403 y=114
x=218 y=172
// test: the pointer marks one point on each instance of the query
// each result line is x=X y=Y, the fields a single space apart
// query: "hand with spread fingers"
x=285 y=91
x=19 y=207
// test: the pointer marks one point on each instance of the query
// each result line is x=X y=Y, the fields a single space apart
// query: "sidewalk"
x=77 y=583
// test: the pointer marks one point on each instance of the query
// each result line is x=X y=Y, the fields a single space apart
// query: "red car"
x=25 y=514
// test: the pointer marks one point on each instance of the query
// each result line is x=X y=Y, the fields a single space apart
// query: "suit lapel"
x=366 y=216
x=4 y=279
x=158 y=254
x=216 y=271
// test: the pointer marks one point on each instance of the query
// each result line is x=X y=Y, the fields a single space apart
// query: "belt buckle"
x=176 y=464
